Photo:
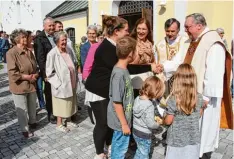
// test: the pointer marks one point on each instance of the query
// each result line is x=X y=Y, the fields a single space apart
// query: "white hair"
x=92 y=27
x=58 y=34
x=220 y=30
x=198 y=19
x=47 y=19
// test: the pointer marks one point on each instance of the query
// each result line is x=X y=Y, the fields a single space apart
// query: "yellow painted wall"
x=105 y=7
x=80 y=26
x=217 y=14
x=162 y=16
x=223 y=17
x=90 y=12
x=102 y=6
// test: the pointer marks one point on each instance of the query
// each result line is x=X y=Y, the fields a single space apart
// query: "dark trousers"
x=90 y=113
x=102 y=133
x=40 y=95
x=48 y=98
x=206 y=155
x=4 y=51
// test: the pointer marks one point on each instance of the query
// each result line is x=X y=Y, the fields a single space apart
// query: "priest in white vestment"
x=208 y=60
x=167 y=48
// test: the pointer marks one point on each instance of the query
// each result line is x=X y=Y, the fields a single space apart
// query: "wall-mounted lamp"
x=103 y=13
x=163 y=3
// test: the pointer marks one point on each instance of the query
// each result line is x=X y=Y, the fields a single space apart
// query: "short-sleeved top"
x=185 y=128
x=121 y=91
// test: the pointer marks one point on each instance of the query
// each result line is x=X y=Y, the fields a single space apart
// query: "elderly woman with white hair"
x=221 y=33
x=92 y=39
x=22 y=72
x=62 y=75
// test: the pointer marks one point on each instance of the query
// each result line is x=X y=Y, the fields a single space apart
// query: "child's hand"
x=126 y=130
x=201 y=112
x=158 y=120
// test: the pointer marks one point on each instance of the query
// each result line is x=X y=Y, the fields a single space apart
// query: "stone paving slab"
x=48 y=143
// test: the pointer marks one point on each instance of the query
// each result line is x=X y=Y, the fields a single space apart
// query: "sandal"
x=72 y=124
x=62 y=128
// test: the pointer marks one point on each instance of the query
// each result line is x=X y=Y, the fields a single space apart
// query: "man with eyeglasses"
x=206 y=52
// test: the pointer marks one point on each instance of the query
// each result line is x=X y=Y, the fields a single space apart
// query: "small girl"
x=183 y=114
x=143 y=115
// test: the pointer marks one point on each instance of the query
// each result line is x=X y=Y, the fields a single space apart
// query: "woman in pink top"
x=90 y=57
x=89 y=61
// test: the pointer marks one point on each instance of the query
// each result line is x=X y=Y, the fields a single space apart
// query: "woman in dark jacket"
x=97 y=83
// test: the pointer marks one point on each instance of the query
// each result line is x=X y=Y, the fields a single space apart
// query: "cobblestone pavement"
x=50 y=144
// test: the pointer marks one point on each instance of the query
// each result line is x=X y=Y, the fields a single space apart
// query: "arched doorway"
x=134 y=10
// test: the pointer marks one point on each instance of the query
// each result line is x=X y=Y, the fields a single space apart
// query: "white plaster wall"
x=30 y=20
x=180 y=14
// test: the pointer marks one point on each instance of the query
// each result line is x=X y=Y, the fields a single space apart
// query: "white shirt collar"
x=170 y=42
x=204 y=31
x=111 y=41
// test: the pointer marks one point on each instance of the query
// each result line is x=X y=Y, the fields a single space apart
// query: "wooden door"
x=148 y=14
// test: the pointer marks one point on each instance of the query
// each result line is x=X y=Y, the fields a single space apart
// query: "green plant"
x=1 y=66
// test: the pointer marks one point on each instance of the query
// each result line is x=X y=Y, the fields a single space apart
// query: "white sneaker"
x=107 y=151
x=62 y=128
x=71 y=124
x=100 y=157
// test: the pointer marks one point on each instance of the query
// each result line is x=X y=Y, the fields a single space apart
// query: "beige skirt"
x=64 y=107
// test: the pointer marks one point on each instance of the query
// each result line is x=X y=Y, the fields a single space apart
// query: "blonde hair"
x=125 y=46
x=184 y=88
x=153 y=88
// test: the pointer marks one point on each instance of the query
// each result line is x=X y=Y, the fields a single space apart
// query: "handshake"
x=157 y=68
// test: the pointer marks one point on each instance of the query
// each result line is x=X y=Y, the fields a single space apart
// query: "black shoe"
x=28 y=134
x=73 y=118
x=164 y=135
x=53 y=119
x=32 y=126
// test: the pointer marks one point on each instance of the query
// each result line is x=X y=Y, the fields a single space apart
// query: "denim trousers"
x=119 y=145
x=1 y=55
x=143 y=147
x=40 y=92
x=4 y=51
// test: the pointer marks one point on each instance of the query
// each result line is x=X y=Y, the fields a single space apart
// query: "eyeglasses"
x=188 y=27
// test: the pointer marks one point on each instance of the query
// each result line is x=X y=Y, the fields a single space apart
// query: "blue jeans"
x=40 y=92
x=143 y=148
x=1 y=55
x=119 y=145
x=4 y=51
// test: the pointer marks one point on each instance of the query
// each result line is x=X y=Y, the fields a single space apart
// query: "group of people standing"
x=126 y=78
x=4 y=46
x=194 y=96
x=50 y=63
